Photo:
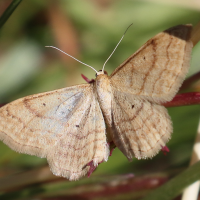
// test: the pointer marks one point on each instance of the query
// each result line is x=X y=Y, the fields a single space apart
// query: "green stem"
x=9 y=11
x=175 y=186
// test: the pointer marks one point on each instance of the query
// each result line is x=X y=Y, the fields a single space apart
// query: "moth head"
x=101 y=72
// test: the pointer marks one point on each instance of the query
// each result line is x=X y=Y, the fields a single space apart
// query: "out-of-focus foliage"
x=88 y=30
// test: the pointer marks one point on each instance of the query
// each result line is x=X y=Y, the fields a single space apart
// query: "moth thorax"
x=103 y=88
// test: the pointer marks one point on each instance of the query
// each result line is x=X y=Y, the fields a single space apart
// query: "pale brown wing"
x=140 y=128
x=65 y=125
x=85 y=141
x=158 y=68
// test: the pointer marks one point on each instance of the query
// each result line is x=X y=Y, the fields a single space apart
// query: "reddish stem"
x=191 y=98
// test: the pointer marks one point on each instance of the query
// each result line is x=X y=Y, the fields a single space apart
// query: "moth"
x=68 y=126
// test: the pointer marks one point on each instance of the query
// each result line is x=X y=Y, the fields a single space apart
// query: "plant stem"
x=7 y=13
x=175 y=186
x=192 y=191
x=184 y=99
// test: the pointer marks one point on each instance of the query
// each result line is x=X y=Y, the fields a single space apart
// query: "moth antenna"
x=72 y=57
x=115 y=47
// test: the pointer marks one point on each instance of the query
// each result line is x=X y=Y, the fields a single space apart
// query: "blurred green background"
x=89 y=30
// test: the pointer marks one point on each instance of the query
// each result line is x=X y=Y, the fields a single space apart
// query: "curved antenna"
x=116 y=47
x=72 y=57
